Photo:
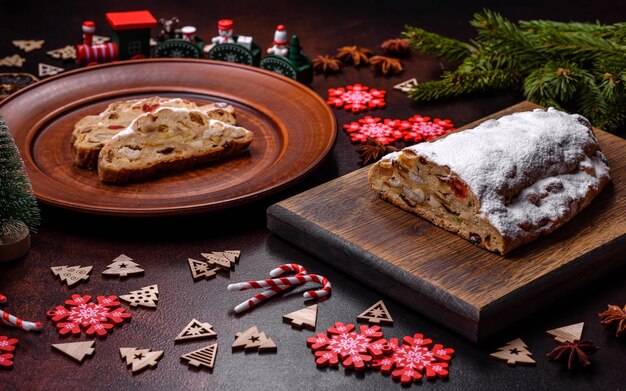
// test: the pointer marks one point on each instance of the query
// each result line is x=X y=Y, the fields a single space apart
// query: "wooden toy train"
x=131 y=40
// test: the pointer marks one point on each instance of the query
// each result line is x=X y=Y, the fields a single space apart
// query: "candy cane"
x=288 y=281
x=273 y=291
x=14 y=321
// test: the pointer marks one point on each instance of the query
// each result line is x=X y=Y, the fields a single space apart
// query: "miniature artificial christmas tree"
x=18 y=207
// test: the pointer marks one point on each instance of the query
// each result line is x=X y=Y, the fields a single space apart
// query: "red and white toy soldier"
x=225 y=31
x=280 y=42
x=89 y=28
x=189 y=33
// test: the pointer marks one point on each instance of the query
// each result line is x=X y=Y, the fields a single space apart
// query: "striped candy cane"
x=10 y=320
x=273 y=291
x=288 y=281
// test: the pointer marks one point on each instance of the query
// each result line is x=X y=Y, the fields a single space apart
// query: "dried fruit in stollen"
x=384 y=131
x=354 y=55
x=386 y=65
x=576 y=352
x=326 y=64
x=356 y=98
x=615 y=316
x=373 y=150
x=397 y=47
x=421 y=128
x=95 y=318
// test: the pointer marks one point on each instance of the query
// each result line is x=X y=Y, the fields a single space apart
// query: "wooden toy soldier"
x=280 y=42
x=225 y=31
x=89 y=27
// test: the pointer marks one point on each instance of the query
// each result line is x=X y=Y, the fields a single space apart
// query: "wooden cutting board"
x=464 y=287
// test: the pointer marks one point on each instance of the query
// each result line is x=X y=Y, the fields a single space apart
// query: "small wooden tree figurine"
x=514 y=352
x=18 y=208
x=145 y=297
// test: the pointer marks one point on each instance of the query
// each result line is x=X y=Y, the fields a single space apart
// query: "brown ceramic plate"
x=293 y=131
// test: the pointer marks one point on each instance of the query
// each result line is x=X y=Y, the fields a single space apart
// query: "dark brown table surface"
x=162 y=246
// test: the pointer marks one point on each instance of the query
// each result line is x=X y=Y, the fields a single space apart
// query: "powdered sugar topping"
x=527 y=169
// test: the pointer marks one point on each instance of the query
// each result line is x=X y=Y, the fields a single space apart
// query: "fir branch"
x=455 y=84
x=437 y=45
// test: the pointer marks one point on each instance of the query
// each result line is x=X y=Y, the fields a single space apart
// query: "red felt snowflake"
x=7 y=345
x=94 y=318
x=384 y=131
x=356 y=98
x=409 y=362
x=344 y=344
x=419 y=128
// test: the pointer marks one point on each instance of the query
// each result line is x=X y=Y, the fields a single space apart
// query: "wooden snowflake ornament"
x=570 y=333
x=201 y=269
x=95 y=318
x=422 y=128
x=72 y=275
x=140 y=359
x=377 y=314
x=356 y=98
x=306 y=317
x=145 y=297
x=204 y=357
x=77 y=351
x=123 y=266
x=196 y=330
x=252 y=339
x=514 y=352
x=7 y=345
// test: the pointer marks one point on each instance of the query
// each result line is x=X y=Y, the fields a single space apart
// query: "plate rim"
x=198 y=207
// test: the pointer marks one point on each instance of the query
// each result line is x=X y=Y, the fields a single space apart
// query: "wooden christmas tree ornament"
x=224 y=260
x=140 y=359
x=196 y=330
x=71 y=275
x=377 y=314
x=571 y=333
x=306 y=317
x=48 y=70
x=145 y=297
x=406 y=86
x=252 y=339
x=204 y=357
x=76 y=350
x=123 y=266
x=201 y=269
x=28 y=45
x=13 y=61
x=514 y=352
x=66 y=53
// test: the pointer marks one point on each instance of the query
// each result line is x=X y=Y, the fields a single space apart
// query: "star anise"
x=326 y=64
x=615 y=316
x=386 y=65
x=397 y=47
x=574 y=352
x=355 y=55
x=373 y=150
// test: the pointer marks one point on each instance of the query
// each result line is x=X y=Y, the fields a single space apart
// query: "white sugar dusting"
x=528 y=169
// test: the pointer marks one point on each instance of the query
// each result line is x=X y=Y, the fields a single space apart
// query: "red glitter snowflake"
x=419 y=128
x=7 y=345
x=356 y=98
x=415 y=358
x=384 y=131
x=344 y=344
x=94 y=318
